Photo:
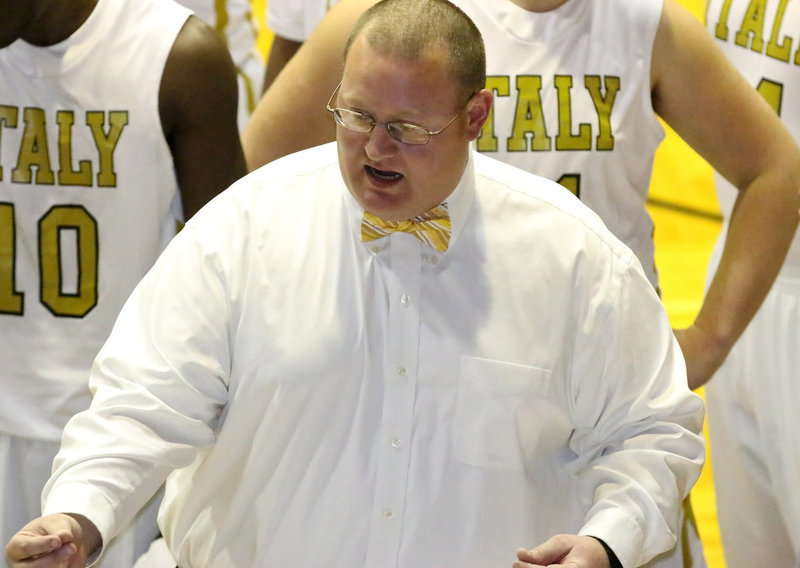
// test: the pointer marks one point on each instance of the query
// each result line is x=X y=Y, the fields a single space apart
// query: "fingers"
x=44 y=542
x=525 y=559
x=550 y=552
x=62 y=556
x=27 y=544
x=565 y=550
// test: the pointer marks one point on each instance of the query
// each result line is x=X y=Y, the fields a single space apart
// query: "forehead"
x=376 y=72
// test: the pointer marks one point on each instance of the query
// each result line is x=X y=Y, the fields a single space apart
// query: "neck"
x=539 y=5
x=56 y=20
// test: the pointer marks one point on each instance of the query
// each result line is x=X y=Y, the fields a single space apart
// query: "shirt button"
x=387 y=514
x=395 y=443
x=405 y=299
x=401 y=371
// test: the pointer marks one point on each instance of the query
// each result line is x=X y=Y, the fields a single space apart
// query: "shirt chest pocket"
x=490 y=397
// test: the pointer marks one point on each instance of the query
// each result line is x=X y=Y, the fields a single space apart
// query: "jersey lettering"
x=33 y=159
x=106 y=142
x=752 y=30
x=566 y=140
x=572 y=182
x=529 y=128
x=10 y=298
x=772 y=92
x=67 y=175
x=33 y=152
x=68 y=261
x=68 y=240
x=8 y=119
x=603 y=104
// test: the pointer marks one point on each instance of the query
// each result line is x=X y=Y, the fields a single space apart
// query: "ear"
x=478 y=110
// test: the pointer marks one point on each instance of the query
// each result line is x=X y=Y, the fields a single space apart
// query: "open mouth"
x=383 y=175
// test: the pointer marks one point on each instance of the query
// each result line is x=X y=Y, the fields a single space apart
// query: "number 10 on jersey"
x=67 y=248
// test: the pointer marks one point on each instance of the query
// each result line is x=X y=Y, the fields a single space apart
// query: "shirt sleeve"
x=159 y=385
x=639 y=427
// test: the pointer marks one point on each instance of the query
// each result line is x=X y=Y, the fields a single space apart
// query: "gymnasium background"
x=686 y=215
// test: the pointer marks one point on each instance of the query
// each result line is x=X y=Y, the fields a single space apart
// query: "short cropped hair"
x=410 y=28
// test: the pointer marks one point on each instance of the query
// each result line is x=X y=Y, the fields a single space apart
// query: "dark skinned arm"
x=198 y=105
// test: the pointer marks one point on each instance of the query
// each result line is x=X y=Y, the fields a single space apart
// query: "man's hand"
x=703 y=353
x=565 y=550
x=54 y=541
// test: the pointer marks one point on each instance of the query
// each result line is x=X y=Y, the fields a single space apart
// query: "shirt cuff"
x=609 y=526
x=77 y=498
x=613 y=561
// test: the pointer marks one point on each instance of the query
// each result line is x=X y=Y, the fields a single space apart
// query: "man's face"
x=388 y=178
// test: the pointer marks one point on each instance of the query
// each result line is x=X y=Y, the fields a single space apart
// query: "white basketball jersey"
x=234 y=21
x=87 y=200
x=762 y=39
x=296 y=19
x=572 y=102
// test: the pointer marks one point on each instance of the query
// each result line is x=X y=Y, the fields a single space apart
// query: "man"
x=321 y=388
x=579 y=87
x=115 y=115
x=753 y=398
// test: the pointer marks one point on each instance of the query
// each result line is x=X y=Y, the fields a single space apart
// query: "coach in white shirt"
x=318 y=394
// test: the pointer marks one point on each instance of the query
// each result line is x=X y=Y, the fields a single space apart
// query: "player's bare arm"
x=280 y=53
x=711 y=106
x=198 y=103
x=292 y=110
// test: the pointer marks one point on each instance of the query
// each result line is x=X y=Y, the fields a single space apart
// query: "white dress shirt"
x=328 y=401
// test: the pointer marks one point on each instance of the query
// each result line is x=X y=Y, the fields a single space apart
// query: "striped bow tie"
x=432 y=227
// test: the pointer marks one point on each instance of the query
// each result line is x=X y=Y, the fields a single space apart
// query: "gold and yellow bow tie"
x=432 y=227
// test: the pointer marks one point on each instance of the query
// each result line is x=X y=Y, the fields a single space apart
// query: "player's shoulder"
x=198 y=41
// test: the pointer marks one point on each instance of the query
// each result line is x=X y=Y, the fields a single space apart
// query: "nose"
x=379 y=144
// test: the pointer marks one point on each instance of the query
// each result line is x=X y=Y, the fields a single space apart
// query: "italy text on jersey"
x=63 y=295
x=533 y=120
x=759 y=31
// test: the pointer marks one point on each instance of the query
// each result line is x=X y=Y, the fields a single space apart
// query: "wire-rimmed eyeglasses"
x=404 y=132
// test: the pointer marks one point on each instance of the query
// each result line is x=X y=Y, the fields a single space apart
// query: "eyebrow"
x=365 y=112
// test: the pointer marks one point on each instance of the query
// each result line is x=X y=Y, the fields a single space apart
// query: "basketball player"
x=753 y=399
x=235 y=22
x=114 y=116
x=292 y=21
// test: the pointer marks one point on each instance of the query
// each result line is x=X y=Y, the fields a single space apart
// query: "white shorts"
x=754 y=431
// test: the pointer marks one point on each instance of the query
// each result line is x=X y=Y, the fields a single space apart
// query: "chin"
x=382 y=205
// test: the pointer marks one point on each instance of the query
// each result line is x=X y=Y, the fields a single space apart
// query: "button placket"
x=399 y=383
